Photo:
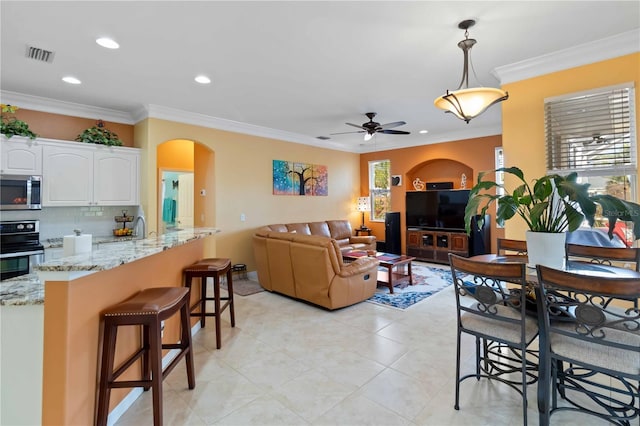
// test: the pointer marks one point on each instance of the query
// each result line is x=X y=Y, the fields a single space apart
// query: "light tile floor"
x=290 y=363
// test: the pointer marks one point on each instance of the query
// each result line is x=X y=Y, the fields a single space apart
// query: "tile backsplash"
x=55 y=222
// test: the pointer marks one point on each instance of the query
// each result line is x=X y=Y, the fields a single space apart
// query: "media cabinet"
x=434 y=245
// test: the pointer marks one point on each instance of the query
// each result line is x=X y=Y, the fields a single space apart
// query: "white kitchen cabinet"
x=76 y=174
x=115 y=177
x=20 y=156
x=67 y=175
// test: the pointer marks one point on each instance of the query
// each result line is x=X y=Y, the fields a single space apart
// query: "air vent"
x=39 y=54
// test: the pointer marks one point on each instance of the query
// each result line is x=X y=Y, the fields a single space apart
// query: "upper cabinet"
x=20 y=156
x=76 y=174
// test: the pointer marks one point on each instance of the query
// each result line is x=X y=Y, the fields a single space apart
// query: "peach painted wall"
x=72 y=330
x=477 y=154
x=65 y=127
x=523 y=136
x=240 y=181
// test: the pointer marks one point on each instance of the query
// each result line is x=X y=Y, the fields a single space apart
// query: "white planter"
x=548 y=249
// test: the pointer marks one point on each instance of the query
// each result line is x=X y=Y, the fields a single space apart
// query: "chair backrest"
x=572 y=308
x=605 y=255
x=508 y=246
x=488 y=295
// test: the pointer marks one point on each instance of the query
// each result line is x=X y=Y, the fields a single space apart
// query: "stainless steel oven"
x=20 y=248
x=20 y=192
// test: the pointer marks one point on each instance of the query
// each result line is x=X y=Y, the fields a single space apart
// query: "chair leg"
x=457 y=402
x=230 y=291
x=203 y=300
x=146 y=361
x=106 y=373
x=216 y=303
x=155 y=340
x=186 y=342
x=524 y=385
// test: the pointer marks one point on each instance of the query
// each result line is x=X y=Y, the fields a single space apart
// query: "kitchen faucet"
x=144 y=226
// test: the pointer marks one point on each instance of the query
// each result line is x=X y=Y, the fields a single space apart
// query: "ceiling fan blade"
x=355 y=125
x=344 y=133
x=394 y=132
x=394 y=124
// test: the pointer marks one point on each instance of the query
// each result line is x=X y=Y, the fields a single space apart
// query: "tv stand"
x=434 y=245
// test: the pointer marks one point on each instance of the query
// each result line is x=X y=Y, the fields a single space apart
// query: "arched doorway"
x=185 y=185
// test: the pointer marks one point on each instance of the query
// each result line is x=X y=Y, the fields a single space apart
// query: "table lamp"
x=364 y=205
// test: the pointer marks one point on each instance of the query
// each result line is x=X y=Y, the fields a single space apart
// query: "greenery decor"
x=11 y=126
x=99 y=134
x=554 y=204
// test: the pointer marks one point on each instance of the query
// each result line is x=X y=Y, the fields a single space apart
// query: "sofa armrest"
x=359 y=266
x=364 y=239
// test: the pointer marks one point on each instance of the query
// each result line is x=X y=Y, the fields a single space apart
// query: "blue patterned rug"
x=427 y=280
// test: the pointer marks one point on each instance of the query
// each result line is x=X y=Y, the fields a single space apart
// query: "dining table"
x=573 y=266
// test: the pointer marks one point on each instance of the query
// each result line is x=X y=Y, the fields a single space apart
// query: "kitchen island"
x=50 y=323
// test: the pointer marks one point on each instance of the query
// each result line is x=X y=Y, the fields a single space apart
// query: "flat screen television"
x=439 y=209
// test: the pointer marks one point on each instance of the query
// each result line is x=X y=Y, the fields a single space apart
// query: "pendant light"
x=469 y=102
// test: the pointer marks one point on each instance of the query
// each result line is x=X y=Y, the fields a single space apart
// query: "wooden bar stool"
x=212 y=268
x=148 y=309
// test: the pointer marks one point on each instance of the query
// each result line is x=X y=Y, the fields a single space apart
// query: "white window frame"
x=565 y=149
x=379 y=194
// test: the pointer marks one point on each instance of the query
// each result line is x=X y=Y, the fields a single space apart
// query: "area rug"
x=244 y=287
x=427 y=279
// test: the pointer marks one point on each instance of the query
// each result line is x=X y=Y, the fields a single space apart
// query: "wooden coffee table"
x=390 y=277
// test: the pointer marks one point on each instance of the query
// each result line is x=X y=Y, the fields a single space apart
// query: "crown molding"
x=588 y=53
x=54 y=106
x=196 y=119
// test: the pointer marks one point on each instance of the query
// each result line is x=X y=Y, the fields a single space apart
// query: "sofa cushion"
x=340 y=230
x=300 y=228
x=320 y=228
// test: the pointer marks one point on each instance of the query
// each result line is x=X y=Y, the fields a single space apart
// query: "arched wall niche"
x=440 y=170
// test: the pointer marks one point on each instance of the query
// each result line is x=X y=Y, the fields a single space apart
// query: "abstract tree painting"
x=291 y=178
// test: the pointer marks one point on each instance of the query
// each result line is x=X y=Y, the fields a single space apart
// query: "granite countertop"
x=29 y=289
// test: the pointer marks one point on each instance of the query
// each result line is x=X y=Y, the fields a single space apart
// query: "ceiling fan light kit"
x=465 y=102
x=370 y=128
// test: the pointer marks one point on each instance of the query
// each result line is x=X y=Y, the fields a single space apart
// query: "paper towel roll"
x=76 y=244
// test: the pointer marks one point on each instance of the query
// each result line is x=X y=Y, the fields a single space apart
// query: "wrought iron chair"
x=589 y=350
x=627 y=257
x=508 y=246
x=490 y=301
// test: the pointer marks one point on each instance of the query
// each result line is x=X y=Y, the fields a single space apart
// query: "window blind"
x=591 y=134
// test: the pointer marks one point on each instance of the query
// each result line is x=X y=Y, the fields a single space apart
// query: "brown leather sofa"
x=310 y=267
x=339 y=230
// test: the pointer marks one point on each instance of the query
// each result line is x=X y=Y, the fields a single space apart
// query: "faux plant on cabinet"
x=11 y=126
x=100 y=135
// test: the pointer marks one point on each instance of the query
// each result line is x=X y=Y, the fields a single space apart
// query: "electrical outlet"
x=243 y=217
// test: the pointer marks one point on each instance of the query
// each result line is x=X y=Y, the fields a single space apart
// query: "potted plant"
x=550 y=207
x=99 y=134
x=11 y=126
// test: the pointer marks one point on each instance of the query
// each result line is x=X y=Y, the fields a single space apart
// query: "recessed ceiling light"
x=423 y=131
x=71 y=80
x=203 y=79
x=107 y=42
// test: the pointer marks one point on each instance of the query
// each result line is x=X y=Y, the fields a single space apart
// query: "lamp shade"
x=469 y=103
x=364 y=204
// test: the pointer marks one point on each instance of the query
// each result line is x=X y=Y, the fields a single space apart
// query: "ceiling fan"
x=371 y=127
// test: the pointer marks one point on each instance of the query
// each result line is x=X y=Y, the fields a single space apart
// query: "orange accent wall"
x=72 y=330
x=523 y=136
x=65 y=127
x=176 y=154
x=432 y=163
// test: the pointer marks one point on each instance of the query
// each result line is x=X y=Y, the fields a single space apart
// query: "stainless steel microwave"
x=20 y=192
